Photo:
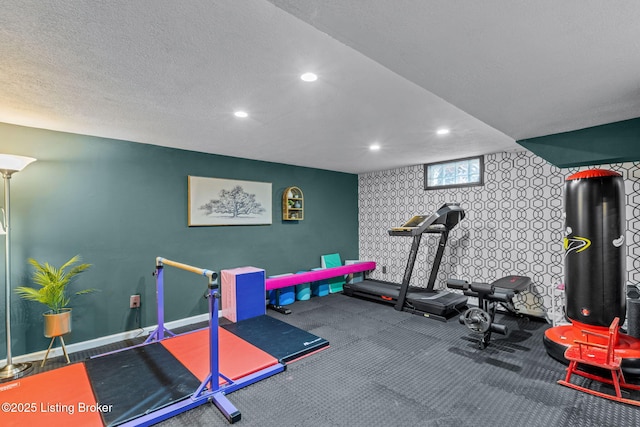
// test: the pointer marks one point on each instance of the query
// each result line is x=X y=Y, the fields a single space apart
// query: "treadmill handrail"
x=434 y=223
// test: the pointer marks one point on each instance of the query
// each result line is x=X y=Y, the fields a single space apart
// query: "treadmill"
x=424 y=301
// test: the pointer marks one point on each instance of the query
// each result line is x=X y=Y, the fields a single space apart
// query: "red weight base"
x=557 y=339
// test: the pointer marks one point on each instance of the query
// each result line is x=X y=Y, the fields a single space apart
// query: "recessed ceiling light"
x=374 y=147
x=442 y=131
x=241 y=114
x=309 y=77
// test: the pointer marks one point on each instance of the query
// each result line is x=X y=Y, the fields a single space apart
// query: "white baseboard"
x=109 y=339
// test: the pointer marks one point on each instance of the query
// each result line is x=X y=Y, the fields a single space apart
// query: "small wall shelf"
x=292 y=204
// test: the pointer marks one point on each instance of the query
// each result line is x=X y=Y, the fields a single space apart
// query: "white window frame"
x=455 y=173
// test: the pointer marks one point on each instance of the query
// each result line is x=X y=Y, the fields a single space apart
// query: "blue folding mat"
x=281 y=340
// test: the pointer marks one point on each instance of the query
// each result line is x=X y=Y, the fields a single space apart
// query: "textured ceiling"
x=172 y=73
x=526 y=68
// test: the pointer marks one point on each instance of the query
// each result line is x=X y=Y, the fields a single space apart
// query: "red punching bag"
x=594 y=244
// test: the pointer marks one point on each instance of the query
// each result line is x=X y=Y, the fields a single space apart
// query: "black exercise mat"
x=137 y=381
x=392 y=368
x=281 y=340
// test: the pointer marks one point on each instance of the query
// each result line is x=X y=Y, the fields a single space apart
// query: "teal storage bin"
x=303 y=290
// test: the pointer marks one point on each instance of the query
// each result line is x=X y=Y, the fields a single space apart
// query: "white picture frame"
x=218 y=201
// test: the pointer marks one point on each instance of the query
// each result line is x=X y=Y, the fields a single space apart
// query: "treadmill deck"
x=440 y=303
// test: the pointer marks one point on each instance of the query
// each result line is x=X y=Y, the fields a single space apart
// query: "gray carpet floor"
x=390 y=368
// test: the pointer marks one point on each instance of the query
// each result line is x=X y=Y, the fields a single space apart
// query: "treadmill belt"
x=137 y=381
x=281 y=340
x=377 y=287
x=440 y=303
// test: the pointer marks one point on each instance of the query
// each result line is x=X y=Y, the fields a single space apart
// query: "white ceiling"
x=172 y=73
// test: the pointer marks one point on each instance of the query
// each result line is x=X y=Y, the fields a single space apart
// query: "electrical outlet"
x=384 y=269
x=134 y=301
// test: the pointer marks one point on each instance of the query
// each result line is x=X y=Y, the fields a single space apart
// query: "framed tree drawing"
x=216 y=201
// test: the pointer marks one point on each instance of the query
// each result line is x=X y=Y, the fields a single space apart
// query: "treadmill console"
x=443 y=220
x=413 y=223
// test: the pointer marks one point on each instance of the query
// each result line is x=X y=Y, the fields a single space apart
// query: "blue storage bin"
x=287 y=296
x=320 y=288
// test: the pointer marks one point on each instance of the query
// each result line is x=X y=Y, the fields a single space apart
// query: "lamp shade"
x=11 y=162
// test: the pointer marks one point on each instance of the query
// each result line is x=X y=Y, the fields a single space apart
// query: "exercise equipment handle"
x=457 y=284
x=499 y=328
x=502 y=296
x=484 y=288
x=201 y=271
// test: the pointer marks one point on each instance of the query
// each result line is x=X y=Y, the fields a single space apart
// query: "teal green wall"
x=120 y=204
x=611 y=143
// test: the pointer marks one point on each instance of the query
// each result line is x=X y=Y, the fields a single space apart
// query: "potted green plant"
x=53 y=292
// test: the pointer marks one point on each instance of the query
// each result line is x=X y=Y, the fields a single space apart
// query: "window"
x=454 y=173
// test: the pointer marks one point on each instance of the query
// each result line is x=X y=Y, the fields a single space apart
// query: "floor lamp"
x=10 y=164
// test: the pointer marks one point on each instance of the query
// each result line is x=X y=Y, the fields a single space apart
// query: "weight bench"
x=480 y=320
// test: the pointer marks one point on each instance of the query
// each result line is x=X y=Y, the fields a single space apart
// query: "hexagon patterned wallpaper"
x=514 y=224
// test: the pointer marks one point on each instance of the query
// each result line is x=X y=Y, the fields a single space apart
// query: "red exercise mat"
x=237 y=358
x=61 y=397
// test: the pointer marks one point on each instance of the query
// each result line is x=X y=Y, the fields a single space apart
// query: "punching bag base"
x=557 y=339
